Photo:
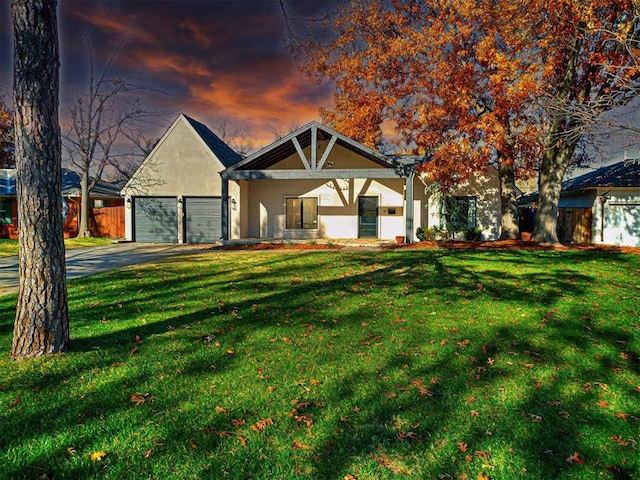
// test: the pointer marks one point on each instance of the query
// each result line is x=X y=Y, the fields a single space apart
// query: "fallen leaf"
x=97 y=456
x=71 y=451
x=238 y=423
x=482 y=476
x=221 y=410
x=603 y=404
x=262 y=425
x=148 y=453
x=300 y=446
x=574 y=458
x=620 y=440
x=193 y=444
x=462 y=446
x=474 y=413
x=15 y=403
x=348 y=476
x=139 y=398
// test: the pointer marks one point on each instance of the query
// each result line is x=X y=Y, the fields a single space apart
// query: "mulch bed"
x=516 y=245
x=451 y=245
x=280 y=246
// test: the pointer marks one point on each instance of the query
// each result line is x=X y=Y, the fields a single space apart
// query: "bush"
x=431 y=234
x=473 y=234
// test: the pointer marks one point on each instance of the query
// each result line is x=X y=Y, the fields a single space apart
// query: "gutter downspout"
x=603 y=199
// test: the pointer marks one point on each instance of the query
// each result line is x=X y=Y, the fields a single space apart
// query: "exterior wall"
x=486 y=188
x=337 y=207
x=621 y=219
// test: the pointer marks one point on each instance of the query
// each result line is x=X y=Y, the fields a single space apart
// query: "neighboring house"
x=317 y=183
x=175 y=196
x=8 y=204
x=106 y=214
x=602 y=206
x=106 y=217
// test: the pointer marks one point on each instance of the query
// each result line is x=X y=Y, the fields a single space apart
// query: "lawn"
x=339 y=365
x=9 y=248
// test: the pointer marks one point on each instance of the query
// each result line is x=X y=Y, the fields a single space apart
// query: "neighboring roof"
x=8 y=181
x=227 y=156
x=71 y=186
x=618 y=175
x=621 y=174
x=284 y=147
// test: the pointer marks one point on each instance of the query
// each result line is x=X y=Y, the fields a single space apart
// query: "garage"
x=155 y=219
x=203 y=219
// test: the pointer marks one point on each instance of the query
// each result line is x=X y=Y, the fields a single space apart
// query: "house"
x=106 y=217
x=600 y=207
x=175 y=196
x=106 y=214
x=317 y=183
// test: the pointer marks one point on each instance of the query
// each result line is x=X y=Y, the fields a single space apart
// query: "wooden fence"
x=574 y=225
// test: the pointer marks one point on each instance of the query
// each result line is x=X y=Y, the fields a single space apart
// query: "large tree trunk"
x=555 y=162
x=508 y=208
x=42 y=320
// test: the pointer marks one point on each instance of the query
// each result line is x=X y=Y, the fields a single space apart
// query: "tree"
x=478 y=81
x=590 y=49
x=233 y=134
x=42 y=321
x=7 y=151
x=108 y=113
x=447 y=74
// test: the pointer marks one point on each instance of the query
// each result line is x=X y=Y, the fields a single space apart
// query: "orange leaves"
x=575 y=458
x=139 y=398
x=14 y=404
x=262 y=425
x=97 y=456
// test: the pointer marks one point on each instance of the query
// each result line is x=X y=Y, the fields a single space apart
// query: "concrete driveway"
x=86 y=261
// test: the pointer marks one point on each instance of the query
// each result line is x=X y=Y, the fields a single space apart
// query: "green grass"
x=9 y=247
x=398 y=364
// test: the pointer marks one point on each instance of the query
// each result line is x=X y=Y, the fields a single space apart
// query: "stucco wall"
x=337 y=207
x=180 y=165
x=621 y=218
x=486 y=188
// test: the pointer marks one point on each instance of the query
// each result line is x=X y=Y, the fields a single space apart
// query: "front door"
x=368 y=217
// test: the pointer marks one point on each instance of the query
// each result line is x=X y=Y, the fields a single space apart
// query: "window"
x=5 y=211
x=302 y=213
x=459 y=213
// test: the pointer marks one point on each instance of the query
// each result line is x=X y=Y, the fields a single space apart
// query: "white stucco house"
x=317 y=183
x=600 y=207
x=313 y=183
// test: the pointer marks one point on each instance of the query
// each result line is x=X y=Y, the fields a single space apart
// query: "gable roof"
x=71 y=186
x=284 y=147
x=214 y=145
x=621 y=174
x=227 y=156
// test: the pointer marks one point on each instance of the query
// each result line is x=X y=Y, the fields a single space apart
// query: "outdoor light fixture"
x=234 y=204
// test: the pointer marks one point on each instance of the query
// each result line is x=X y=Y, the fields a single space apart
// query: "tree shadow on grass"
x=376 y=362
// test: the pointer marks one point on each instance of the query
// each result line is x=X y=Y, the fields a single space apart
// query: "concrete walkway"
x=87 y=261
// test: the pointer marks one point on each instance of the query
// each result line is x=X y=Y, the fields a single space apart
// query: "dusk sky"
x=213 y=58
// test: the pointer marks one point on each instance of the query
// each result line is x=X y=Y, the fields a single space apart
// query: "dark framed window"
x=459 y=213
x=301 y=213
x=5 y=211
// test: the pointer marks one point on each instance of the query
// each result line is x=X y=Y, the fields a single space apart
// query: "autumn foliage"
x=476 y=83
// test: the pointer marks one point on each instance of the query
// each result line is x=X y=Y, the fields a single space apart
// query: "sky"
x=210 y=59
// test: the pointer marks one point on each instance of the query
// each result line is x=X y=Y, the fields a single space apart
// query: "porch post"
x=225 y=208
x=408 y=211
